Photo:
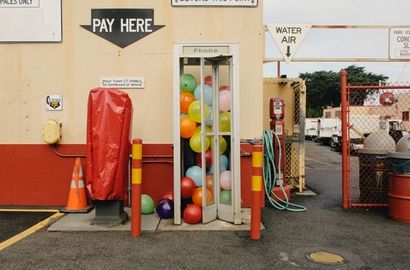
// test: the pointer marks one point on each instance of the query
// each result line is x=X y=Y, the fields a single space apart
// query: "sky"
x=338 y=43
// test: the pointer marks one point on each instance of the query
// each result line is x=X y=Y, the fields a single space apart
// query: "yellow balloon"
x=225 y=121
x=196 y=143
x=222 y=145
x=207 y=129
x=194 y=111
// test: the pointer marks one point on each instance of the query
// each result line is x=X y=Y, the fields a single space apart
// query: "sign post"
x=288 y=37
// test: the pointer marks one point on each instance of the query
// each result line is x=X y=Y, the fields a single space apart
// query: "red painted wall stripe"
x=32 y=174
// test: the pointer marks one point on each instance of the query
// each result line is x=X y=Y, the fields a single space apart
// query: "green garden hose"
x=271 y=175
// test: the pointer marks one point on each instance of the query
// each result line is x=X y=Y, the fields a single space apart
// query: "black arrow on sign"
x=288 y=53
x=122 y=26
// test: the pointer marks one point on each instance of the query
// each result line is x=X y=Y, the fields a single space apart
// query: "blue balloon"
x=223 y=164
x=208 y=93
x=195 y=173
x=209 y=121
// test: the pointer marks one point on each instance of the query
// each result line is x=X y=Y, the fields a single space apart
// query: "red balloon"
x=187 y=187
x=208 y=158
x=192 y=214
x=223 y=87
x=169 y=195
x=208 y=80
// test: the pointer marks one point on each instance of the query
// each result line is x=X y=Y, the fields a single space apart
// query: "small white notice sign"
x=122 y=82
x=399 y=43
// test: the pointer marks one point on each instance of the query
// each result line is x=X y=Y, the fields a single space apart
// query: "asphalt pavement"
x=12 y=223
x=365 y=239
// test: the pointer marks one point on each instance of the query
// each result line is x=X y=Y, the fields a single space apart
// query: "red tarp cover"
x=108 y=143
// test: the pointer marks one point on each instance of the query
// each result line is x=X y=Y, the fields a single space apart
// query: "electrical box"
x=51 y=131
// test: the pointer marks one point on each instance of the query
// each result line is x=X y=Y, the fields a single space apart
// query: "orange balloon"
x=185 y=100
x=197 y=196
x=187 y=127
x=210 y=181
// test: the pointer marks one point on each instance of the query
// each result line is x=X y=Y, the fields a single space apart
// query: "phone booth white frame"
x=215 y=51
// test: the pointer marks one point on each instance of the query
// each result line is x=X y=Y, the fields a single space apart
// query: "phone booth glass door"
x=206 y=131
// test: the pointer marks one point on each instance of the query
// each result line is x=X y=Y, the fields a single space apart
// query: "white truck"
x=311 y=128
x=363 y=125
x=326 y=127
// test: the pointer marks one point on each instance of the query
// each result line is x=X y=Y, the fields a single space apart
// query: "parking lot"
x=366 y=239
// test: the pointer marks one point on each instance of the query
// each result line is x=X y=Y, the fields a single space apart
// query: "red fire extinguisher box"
x=108 y=143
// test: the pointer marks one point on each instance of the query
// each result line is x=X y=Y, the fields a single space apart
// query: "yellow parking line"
x=29 y=210
x=29 y=231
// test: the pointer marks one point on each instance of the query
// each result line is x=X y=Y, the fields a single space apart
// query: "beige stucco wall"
x=29 y=72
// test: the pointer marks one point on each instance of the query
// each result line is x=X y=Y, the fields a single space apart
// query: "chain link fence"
x=293 y=92
x=376 y=117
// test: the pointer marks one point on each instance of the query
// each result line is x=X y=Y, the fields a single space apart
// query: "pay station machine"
x=206 y=130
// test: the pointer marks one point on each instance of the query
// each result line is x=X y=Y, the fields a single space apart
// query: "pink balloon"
x=224 y=100
x=225 y=180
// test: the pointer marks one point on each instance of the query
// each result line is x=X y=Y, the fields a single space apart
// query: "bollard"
x=256 y=187
x=136 y=187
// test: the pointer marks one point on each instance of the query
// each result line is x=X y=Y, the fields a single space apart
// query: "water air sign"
x=122 y=27
x=288 y=37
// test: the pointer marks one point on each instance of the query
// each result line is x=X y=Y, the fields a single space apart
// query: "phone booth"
x=206 y=130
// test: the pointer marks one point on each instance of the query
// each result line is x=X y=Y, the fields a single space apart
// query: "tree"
x=323 y=88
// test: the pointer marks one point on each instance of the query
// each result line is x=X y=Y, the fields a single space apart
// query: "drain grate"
x=324 y=257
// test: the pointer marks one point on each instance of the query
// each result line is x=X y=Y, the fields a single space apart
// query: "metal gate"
x=374 y=118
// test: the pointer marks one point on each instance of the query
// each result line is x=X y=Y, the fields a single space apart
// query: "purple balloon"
x=165 y=208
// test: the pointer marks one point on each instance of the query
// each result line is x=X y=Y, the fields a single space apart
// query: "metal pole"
x=256 y=187
x=136 y=187
x=345 y=134
x=278 y=69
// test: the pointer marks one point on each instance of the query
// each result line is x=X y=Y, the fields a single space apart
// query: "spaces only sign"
x=399 y=43
x=288 y=37
x=20 y=3
x=122 y=27
x=30 y=21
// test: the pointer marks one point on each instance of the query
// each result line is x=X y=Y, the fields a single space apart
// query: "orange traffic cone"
x=77 y=199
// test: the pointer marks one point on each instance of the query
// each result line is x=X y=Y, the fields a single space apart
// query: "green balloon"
x=226 y=197
x=187 y=83
x=147 y=204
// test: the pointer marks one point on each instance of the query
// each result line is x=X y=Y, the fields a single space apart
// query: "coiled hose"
x=271 y=175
